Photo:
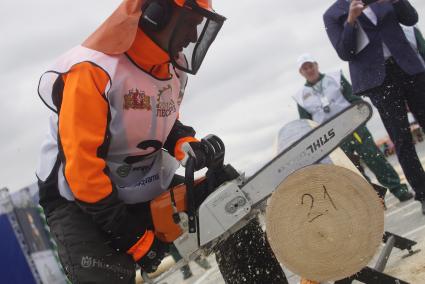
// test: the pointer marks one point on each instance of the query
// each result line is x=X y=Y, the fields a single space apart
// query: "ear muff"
x=156 y=14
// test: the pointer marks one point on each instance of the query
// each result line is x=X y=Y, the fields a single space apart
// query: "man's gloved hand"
x=209 y=152
x=152 y=259
x=191 y=146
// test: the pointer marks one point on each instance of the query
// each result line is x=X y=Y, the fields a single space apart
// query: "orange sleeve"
x=83 y=136
x=83 y=124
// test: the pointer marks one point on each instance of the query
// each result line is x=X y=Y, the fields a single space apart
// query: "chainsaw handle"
x=189 y=180
x=214 y=149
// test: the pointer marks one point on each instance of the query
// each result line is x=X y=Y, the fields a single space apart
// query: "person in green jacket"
x=325 y=95
x=420 y=42
x=415 y=38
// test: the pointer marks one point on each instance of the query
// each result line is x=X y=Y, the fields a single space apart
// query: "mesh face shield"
x=194 y=33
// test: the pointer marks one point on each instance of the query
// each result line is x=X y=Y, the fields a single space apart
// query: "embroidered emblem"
x=123 y=171
x=306 y=96
x=164 y=90
x=180 y=98
x=136 y=99
x=165 y=105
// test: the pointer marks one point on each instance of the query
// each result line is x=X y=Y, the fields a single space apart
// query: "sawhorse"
x=376 y=275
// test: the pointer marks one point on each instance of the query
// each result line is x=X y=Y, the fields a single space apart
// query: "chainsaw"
x=196 y=218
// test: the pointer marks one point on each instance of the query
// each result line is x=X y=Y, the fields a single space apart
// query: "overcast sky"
x=242 y=92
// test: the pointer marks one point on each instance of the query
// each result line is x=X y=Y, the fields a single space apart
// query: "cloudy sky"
x=242 y=92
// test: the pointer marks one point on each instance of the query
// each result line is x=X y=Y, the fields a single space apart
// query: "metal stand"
x=375 y=275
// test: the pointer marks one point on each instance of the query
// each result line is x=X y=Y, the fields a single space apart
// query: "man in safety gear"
x=114 y=138
x=325 y=95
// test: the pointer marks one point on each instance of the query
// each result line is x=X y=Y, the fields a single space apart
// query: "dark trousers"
x=364 y=146
x=390 y=99
x=84 y=249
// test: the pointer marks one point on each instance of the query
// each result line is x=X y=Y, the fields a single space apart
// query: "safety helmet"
x=196 y=29
x=205 y=26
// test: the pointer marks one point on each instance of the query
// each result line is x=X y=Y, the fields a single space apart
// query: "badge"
x=306 y=96
x=123 y=171
x=136 y=99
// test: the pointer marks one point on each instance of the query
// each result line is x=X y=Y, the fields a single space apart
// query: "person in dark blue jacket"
x=386 y=68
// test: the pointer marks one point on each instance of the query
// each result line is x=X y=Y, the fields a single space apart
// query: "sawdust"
x=410 y=269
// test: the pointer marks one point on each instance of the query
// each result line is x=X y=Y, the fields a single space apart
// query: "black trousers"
x=398 y=91
x=84 y=250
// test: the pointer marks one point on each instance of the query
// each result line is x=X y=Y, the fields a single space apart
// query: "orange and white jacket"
x=112 y=117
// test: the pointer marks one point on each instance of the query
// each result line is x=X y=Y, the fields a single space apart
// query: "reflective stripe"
x=142 y=247
x=358 y=138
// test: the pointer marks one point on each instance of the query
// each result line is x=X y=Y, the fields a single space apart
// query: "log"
x=324 y=222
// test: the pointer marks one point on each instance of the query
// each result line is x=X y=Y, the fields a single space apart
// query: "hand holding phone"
x=368 y=2
x=356 y=8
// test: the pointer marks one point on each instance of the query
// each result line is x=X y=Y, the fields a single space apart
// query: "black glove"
x=152 y=259
x=200 y=154
x=195 y=149
x=208 y=151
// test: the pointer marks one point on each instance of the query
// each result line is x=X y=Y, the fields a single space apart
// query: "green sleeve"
x=347 y=90
x=420 y=42
x=304 y=114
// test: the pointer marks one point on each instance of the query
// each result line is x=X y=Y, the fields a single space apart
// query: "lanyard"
x=323 y=99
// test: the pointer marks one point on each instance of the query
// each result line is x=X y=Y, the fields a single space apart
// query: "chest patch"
x=165 y=105
x=136 y=99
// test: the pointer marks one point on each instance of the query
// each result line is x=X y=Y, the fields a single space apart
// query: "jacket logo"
x=136 y=99
x=165 y=107
x=86 y=261
x=123 y=171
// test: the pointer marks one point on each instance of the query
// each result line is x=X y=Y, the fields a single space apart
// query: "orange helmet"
x=194 y=32
x=117 y=33
x=205 y=4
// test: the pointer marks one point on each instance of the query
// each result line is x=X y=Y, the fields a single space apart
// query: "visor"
x=195 y=31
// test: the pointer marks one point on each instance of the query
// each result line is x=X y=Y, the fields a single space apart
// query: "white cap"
x=304 y=58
